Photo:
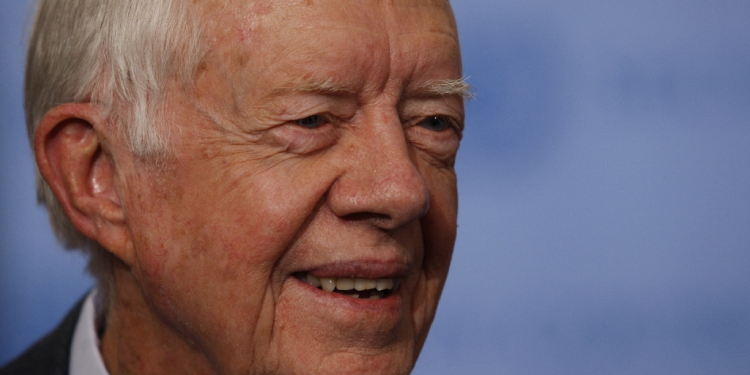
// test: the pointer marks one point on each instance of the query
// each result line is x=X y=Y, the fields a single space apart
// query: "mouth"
x=354 y=287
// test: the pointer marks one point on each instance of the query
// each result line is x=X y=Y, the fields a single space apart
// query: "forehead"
x=264 y=37
x=365 y=13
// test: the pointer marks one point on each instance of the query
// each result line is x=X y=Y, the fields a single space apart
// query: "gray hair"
x=121 y=54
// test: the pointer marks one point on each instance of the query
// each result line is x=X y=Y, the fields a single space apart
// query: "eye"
x=436 y=123
x=311 y=122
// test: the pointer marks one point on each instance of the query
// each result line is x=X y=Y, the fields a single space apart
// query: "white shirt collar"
x=85 y=357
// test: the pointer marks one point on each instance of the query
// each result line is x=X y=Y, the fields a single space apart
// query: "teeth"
x=383 y=284
x=363 y=284
x=345 y=283
x=314 y=281
x=329 y=284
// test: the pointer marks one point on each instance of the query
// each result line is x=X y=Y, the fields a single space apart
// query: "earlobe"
x=71 y=156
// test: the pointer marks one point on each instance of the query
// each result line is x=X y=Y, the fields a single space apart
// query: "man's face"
x=315 y=147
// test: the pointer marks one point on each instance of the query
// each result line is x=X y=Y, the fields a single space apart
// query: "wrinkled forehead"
x=248 y=21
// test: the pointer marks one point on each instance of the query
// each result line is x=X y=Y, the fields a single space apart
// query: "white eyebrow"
x=448 y=87
x=324 y=86
x=445 y=87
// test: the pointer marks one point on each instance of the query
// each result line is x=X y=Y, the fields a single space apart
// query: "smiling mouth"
x=354 y=287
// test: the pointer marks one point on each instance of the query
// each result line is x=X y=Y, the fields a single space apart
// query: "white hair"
x=121 y=54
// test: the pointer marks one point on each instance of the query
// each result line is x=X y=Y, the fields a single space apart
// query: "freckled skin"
x=250 y=197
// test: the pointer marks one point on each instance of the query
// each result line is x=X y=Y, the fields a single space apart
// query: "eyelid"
x=417 y=109
x=299 y=106
x=322 y=117
x=454 y=123
x=294 y=138
x=329 y=117
x=457 y=126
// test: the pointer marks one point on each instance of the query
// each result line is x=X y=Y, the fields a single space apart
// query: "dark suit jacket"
x=50 y=355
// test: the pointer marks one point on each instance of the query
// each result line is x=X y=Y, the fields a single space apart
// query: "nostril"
x=363 y=216
x=382 y=221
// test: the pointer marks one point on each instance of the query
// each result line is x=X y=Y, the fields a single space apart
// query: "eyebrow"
x=448 y=87
x=325 y=86
x=445 y=87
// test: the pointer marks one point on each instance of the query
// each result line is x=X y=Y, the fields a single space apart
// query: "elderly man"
x=262 y=186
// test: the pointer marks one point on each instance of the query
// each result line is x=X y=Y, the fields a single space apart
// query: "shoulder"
x=51 y=354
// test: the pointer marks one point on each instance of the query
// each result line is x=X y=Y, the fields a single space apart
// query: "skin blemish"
x=244 y=33
x=249 y=25
x=262 y=7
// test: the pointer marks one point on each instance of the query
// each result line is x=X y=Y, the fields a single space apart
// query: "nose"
x=380 y=183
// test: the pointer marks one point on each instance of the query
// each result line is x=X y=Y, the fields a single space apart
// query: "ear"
x=68 y=145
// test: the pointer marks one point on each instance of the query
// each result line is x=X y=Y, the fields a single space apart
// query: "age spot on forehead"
x=249 y=24
x=236 y=21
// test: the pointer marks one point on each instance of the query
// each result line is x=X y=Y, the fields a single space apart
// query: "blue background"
x=604 y=194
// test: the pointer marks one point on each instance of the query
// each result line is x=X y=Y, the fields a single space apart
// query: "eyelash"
x=446 y=122
x=317 y=119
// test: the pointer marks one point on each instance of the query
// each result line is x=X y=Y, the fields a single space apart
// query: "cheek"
x=220 y=240
x=438 y=229
x=439 y=232
x=208 y=235
x=208 y=272
x=441 y=219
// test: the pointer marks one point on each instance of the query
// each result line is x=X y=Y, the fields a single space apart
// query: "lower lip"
x=389 y=305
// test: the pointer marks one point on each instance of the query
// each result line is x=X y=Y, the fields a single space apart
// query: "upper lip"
x=370 y=269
